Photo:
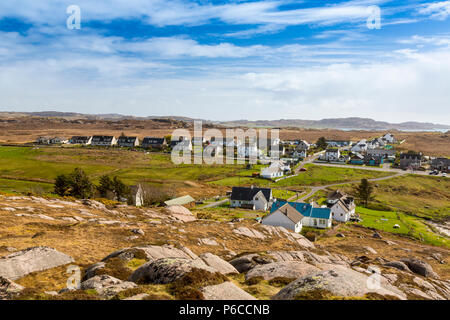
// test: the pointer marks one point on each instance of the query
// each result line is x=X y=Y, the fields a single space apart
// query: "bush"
x=77 y=185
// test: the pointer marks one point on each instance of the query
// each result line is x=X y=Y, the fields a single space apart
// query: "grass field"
x=411 y=226
x=421 y=196
x=25 y=167
x=315 y=176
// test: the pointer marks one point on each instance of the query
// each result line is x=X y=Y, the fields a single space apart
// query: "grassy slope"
x=412 y=226
x=315 y=176
x=44 y=164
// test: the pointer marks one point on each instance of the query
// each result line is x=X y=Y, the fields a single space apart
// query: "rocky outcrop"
x=420 y=267
x=397 y=265
x=225 y=291
x=283 y=269
x=152 y=253
x=167 y=270
x=218 y=263
x=249 y=261
x=30 y=260
x=107 y=286
x=180 y=214
x=9 y=289
x=340 y=282
x=251 y=233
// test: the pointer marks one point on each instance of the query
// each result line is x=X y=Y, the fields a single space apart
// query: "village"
x=279 y=160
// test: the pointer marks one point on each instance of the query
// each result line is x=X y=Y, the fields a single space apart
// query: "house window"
x=322 y=221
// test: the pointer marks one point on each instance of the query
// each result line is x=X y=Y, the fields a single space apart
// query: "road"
x=215 y=204
x=315 y=189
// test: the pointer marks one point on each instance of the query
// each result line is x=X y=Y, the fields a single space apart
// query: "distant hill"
x=339 y=123
x=352 y=123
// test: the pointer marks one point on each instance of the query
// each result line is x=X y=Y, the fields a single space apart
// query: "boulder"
x=180 y=214
x=340 y=282
x=282 y=269
x=244 y=231
x=397 y=265
x=91 y=270
x=249 y=261
x=420 y=267
x=218 y=263
x=225 y=291
x=8 y=289
x=167 y=270
x=30 y=260
x=369 y=250
x=152 y=253
x=287 y=255
x=107 y=286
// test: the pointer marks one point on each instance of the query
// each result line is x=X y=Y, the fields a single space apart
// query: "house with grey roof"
x=103 y=141
x=129 y=142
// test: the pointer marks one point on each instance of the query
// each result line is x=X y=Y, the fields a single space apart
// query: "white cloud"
x=436 y=10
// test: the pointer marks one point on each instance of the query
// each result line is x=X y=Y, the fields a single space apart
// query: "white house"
x=248 y=150
x=341 y=205
x=360 y=146
x=103 y=141
x=271 y=172
x=286 y=216
x=124 y=141
x=388 y=137
x=85 y=140
x=312 y=217
x=251 y=198
x=299 y=153
x=332 y=154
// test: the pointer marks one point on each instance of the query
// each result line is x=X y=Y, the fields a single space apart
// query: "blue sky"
x=226 y=60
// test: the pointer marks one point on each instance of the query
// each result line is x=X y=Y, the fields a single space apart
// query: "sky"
x=228 y=60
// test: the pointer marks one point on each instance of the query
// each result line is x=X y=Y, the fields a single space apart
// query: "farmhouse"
x=389 y=138
x=152 y=142
x=342 y=206
x=332 y=154
x=85 y=140
x=312 y=217
x=410 y=160
x=103 y=141
x=251 y=198
x=286 y=216
x=124 y=141
x=360 y=146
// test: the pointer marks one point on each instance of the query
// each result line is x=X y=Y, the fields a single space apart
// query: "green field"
x=414 y=227
x=416 y=195
x=19 y=165
x=315 y=176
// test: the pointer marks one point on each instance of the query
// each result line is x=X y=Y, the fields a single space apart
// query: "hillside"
x=122 y=252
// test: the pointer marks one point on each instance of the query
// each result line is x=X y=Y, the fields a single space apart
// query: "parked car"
x=444 y=174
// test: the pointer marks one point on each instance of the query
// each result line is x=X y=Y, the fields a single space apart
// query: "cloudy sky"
x=228 y=60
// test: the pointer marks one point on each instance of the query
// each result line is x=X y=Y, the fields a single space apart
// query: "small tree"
x=62 y=185
x=364 y=191
x=105 y=185
x=76 y=184
x=81 y=185
x=322 y=143
x=120 y=189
